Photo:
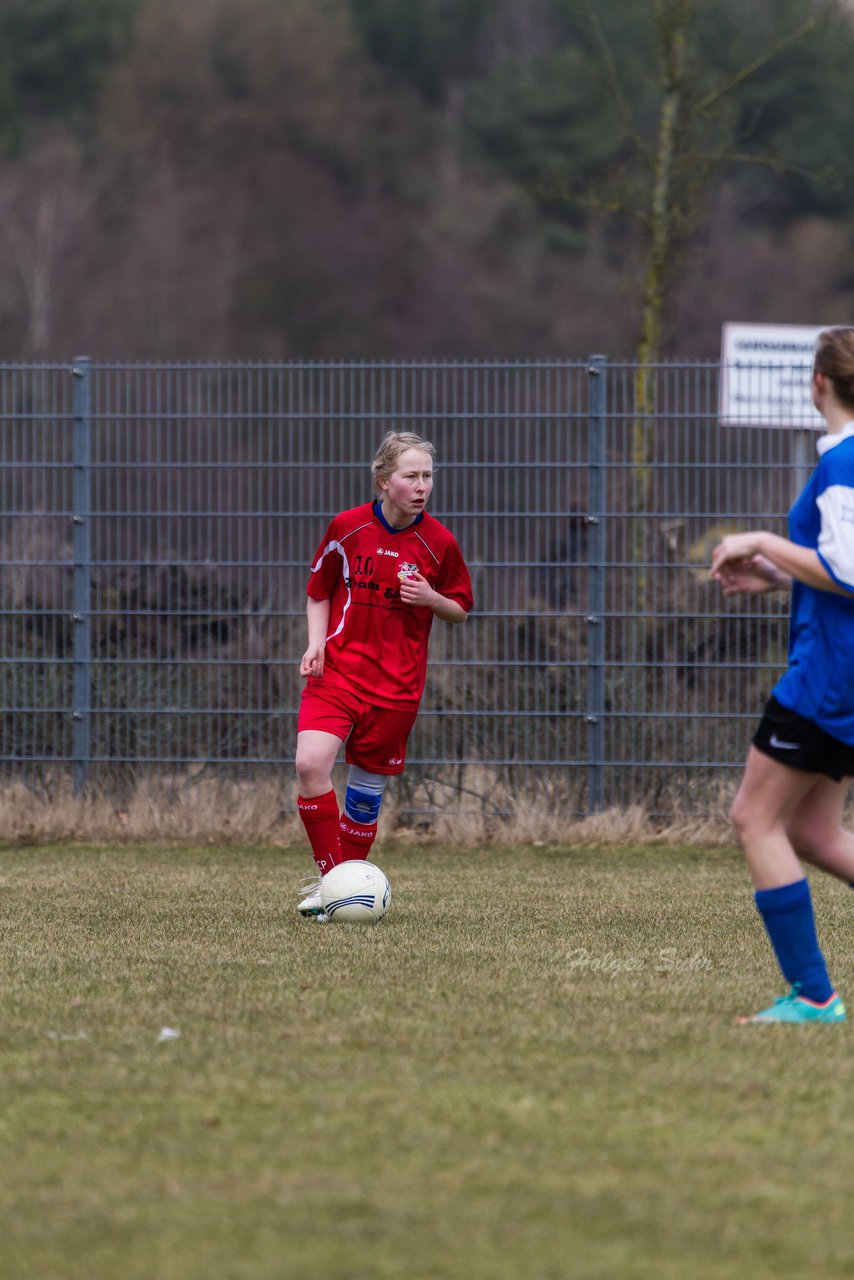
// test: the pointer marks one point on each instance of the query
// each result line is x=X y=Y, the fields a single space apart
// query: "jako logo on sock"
x=360 y=833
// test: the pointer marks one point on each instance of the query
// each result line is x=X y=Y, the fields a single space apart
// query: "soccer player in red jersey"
x=381 y=574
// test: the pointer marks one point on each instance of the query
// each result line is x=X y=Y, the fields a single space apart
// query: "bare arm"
x=317 y=613
x=417 y=590
x=740 y=553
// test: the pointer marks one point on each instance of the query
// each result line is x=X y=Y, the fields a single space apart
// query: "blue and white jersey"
x=819 y=683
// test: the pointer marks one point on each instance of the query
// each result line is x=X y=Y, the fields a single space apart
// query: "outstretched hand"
x=740 y=569
x=748 y=577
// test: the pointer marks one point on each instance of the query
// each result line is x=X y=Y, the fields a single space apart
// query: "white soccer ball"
x=355 y=891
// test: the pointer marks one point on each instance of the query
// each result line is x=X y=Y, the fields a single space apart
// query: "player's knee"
x=364 y=796
x=741 y=816
x=752 y=820
x=362 y=806
x=311 y=770
x=811 y=839
x=805 y=849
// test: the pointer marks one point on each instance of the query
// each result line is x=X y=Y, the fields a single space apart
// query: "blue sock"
x=790 y=924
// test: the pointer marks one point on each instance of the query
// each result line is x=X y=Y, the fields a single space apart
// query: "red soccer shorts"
x=375 y=736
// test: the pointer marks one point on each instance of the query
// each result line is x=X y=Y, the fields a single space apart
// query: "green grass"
x=504 y=1079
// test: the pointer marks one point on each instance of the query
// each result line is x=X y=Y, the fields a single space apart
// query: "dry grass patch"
x=247 y=810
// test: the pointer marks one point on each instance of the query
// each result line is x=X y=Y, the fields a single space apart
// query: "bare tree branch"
x=563 y=194
x=704 y=106
x=614 y=80
x=713 y=159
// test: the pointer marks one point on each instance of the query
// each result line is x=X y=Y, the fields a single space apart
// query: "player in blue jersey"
x=799 y=768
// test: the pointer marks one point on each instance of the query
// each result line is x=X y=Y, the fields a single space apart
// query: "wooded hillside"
x=282 y=178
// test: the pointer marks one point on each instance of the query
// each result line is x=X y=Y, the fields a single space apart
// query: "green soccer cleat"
x=797 y=1008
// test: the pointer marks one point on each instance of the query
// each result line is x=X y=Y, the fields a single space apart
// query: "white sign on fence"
x=765 y=375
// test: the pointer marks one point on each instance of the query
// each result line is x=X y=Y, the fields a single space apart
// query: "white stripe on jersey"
x=427 y=545
x=836 y=540
x=357 y=529
x=327 y=550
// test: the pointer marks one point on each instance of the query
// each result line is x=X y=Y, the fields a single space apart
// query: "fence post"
x=82 y=549
x=596 y=420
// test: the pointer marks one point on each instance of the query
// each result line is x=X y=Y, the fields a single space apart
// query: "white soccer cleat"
x=311 y=904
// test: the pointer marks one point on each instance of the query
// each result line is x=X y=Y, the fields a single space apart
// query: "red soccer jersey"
x=376 y=644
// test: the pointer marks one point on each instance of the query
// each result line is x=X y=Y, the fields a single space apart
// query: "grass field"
x=529 y=1069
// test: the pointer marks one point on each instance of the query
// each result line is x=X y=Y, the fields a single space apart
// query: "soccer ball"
x=355 y=891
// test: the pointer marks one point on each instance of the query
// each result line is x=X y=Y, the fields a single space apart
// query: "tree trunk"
x=671 y=20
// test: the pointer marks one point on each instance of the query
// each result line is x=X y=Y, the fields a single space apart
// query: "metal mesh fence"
x=157 y=522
